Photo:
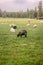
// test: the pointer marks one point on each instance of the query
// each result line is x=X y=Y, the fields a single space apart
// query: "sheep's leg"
x=25 y=35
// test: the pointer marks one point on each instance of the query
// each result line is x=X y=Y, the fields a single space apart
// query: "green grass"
x=21 y=51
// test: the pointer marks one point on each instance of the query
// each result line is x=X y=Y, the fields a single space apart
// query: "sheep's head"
x=17 y=35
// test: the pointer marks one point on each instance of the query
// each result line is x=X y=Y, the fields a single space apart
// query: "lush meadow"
x=21 y=51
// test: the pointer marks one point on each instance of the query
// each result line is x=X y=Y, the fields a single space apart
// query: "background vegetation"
x=32 y=13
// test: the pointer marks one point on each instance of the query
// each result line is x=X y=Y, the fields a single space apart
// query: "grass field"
x=21 y=51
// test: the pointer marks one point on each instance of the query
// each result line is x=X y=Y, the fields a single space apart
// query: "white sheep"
x=13 y=26
x=34 y=26
x=12 y=30
x=28 y=24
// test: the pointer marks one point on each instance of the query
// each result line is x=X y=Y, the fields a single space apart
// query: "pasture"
x=21 y=51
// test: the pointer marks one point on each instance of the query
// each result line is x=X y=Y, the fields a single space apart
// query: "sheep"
x=28 y=24
x=22 y=33
x=12 y=30
x=13 y=26
x=34 y=26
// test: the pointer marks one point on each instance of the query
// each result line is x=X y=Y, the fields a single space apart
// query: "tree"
x=31 y=13
x=27 y=13
x=40 y=9
x=4 y=14
x=0 y=13
x=35 y=13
